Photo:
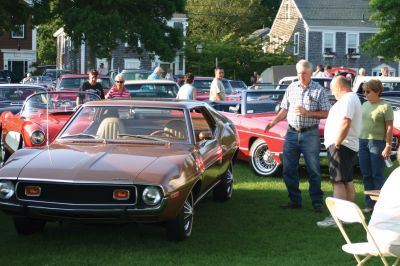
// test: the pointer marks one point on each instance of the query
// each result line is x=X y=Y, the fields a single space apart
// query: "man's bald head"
x=339 y=86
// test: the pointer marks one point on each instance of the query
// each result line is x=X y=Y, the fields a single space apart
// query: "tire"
x=223 y=191
x=180 y=228
x=261 y=160
x=28 y=226
x=5 y=154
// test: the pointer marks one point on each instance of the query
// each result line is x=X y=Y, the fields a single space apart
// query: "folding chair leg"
x=360 y=263
x=396 y=262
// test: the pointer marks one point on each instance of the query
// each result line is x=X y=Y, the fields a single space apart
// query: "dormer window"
x=19 y=32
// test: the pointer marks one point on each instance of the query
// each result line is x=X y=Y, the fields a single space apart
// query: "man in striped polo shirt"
x=304 y=104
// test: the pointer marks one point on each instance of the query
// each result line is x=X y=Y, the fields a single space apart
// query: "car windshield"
x=54 y=102
x=204 y=85
x=128 y=124
x=135 y=75
x=268 y=86
x=391 y=86
x=238 y=85
x=154 y=90
x=15 y=94
x=258 y=102
x=75 y=83
x=54 y=73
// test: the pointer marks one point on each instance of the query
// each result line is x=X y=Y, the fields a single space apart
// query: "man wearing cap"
x=157 y=73
x=91 y=86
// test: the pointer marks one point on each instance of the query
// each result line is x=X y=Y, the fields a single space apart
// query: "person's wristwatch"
x=337 y=146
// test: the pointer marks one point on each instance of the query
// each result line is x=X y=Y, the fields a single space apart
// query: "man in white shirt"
x=385 y=220
x=341 y=133
x=102 y=70
x=217 y=89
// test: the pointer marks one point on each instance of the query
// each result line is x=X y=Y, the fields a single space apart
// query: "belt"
x=303 y=129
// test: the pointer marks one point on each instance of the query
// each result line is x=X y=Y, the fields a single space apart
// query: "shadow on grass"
x=250 y=229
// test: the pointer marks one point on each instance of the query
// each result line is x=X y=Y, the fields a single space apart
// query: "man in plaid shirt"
x=304 y=104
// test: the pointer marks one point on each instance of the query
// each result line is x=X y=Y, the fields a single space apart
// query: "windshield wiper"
x=80 y=135
x=142 y=137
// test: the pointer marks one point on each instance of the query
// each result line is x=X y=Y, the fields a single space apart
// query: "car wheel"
x=181 y=227
x=28 y=226
x=261 y=159
x=223 y=191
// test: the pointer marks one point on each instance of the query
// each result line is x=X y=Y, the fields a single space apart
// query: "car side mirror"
x=205 y=135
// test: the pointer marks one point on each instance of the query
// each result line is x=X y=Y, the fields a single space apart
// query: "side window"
x=202 y=122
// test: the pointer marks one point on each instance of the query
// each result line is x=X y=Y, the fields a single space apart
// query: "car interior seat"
x=110 y=128
x=176 y=128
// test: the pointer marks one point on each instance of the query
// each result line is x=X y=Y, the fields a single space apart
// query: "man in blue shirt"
x=157 y=74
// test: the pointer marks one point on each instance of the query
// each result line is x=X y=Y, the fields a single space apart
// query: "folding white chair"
x=346 y=211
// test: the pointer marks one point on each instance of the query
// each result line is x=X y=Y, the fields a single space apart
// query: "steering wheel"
x=161 y=132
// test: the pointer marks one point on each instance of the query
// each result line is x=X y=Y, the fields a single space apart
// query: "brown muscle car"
x=144 y=161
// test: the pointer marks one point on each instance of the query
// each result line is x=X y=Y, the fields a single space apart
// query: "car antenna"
x=47 y=118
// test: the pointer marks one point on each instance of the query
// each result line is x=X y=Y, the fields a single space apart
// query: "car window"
x=17 y=94
x=201 y=122
x=75 y=83
x=153 y=90
x=258 y=102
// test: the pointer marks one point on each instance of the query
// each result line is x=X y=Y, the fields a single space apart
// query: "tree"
x=12 y=14
x=387 y=41
x=103 y=25
x=46 y=43
x=218 y=18
x=238 y=56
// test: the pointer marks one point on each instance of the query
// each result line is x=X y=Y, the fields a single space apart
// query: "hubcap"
x=188 y=214
x=263 y=160
x=229 y=181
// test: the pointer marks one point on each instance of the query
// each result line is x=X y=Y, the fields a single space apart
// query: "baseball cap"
x=94 y=73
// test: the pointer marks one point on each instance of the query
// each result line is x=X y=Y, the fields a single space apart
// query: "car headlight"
x=151 y=195
x=37 y=137
x=6 y=189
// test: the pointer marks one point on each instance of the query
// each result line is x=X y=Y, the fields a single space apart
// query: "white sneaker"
x=327 y=222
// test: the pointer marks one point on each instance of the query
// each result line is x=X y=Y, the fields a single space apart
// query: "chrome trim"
x=8 y=178
x=74 y=204
x=206 y=192
x=10 y=204
x=162 y=204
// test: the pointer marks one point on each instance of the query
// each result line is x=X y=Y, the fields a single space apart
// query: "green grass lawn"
x=250 y=229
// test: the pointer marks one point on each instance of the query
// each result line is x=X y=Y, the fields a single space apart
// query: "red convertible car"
x=40 y=119
x=250 y=115
x=263 y=149
x=121 y=161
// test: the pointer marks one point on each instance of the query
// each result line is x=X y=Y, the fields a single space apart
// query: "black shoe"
x=318 y=207
x=291 y=205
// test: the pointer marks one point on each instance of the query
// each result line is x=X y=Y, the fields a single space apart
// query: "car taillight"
x=219 y=153
x=200 y=163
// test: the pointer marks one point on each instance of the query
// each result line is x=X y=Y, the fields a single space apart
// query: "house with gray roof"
x=327 y=32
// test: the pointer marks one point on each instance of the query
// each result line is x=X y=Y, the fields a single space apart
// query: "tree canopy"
x=13 y=13
x=106 y=23
x=387 y=41
x=218 y=18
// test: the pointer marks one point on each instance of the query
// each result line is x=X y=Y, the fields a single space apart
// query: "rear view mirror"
x=205 y=135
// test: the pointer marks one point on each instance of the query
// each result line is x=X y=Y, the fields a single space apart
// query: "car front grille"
x=83 y=194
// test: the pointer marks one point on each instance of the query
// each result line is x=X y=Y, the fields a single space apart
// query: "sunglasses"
x=118 y=81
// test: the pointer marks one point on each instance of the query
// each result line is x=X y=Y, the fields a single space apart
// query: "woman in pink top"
x=118 y=90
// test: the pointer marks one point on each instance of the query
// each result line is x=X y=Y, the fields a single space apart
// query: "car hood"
x=108 y=163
